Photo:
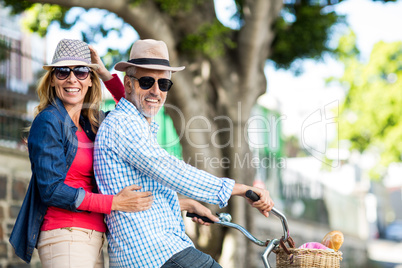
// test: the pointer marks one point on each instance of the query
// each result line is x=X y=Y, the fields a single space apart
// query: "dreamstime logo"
x=316 y=132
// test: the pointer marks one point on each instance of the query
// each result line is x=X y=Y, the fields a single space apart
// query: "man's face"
x=147 y=101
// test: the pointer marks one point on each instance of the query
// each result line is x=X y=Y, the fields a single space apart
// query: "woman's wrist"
x=104 y=74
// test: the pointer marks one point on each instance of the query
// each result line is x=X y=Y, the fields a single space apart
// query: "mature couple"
x=63 y=213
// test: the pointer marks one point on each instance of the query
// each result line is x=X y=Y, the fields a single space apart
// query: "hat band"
x=144 y=61
x=69 y=59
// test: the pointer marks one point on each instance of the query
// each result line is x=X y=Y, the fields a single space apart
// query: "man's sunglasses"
x=146 y=82
x=81 y=72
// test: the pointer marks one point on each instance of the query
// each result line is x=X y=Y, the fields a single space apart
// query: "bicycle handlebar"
x=225 y=220
x=254 y=197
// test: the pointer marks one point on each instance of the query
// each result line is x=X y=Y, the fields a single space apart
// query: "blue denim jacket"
x=52 y=145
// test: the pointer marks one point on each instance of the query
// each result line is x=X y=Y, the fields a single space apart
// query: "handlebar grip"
x=252 y=195
x=205 y=219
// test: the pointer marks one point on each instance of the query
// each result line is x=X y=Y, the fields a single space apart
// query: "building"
x=21 y=58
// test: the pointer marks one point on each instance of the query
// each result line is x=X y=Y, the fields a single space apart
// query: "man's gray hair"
x=131 y=71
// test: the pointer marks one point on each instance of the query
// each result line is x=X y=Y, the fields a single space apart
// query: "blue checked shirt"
x=126 y=152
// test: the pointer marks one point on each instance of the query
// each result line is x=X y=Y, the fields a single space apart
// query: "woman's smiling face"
x=71 y=91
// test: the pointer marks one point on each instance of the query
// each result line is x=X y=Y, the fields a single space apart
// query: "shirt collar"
x=129 y=109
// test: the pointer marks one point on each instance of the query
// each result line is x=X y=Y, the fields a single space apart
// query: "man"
x=127 y=152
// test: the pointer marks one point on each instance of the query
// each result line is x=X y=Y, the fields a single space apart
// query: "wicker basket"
x=308 y=258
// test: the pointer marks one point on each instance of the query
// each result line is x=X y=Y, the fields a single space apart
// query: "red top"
x=79 y=175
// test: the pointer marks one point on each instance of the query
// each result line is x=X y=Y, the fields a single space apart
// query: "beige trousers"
x=71 y=247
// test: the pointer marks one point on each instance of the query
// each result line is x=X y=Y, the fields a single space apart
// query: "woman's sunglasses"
x=146 y=82
x=81 y=72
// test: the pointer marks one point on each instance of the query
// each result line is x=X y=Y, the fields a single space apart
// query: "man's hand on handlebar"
x=193 y=206
x=264 y=204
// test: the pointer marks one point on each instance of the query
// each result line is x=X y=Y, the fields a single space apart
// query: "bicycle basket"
x=307 y=258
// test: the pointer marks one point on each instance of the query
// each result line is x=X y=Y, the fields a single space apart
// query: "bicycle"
x=286 y=257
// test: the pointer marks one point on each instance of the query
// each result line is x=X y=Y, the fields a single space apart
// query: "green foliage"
x=17 y=6
x=211 y=40
x=113 y=56
x=371 y=114
x=303 y=36
x=172 y=7
x=38 y=17
x=134 y=3
x=346 y=49
x=347 y=53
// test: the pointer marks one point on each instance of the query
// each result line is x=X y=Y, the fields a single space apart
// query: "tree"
x=371 y=113
x=224 y=75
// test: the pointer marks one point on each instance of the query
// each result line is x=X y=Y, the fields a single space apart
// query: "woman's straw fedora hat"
x=71 y=52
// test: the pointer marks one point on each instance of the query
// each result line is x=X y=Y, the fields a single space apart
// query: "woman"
x=62 y=213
